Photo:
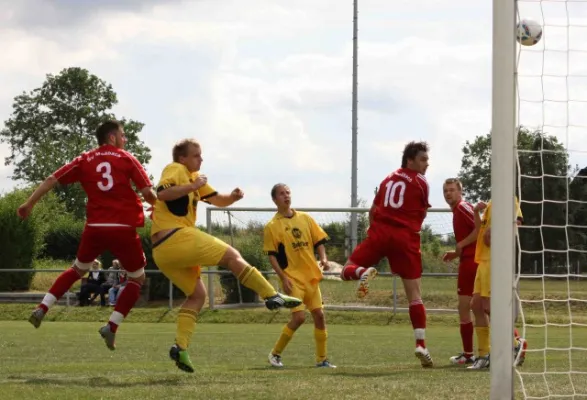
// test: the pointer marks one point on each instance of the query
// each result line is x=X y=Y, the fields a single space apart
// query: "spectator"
x=116 y=289
x=93 y=285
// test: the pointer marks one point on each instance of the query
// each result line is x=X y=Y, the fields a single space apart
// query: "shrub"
x=22 y=240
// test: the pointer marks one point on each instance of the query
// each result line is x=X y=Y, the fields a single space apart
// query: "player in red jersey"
x=113 y=212
x=396 y=218
x=463 y=222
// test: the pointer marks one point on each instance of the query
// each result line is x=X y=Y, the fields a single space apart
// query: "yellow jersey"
x=181 y=212
x=292 y=240
x=482 y=251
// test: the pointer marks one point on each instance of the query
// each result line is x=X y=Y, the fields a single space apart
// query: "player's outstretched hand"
x=24 y=210
x=449 y=256
x=200 y=181
x=324 y=264
x=237 y=194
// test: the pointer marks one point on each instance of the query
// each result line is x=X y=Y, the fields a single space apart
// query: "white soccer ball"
x=529 y=32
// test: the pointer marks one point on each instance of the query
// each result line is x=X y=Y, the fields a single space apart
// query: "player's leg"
x=89 y=249
x=480 y=306
x=187 y=318
x=465 y=284
x=298 y=317
x=125 y=244
x=314 y=303
x=368 y=253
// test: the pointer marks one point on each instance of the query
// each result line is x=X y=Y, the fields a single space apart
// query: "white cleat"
x=363 y=287
x=424 y=356
x=462 y=359
x=480 y=363
x=275 y=360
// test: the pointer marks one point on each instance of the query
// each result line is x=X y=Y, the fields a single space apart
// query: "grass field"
x=373 y=350
x=68 y=360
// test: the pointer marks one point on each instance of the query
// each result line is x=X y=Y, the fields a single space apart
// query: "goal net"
x=552 y=186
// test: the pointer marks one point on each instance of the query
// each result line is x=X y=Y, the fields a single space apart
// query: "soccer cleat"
x=181 y=358
x=463 y=359
x=480 y=363
x=325 y=364
x=37 y=317
x=275 y=360
x=281 y=300
x=424 y=356
x=520 y=352
x=363 y=286
x=108 y=336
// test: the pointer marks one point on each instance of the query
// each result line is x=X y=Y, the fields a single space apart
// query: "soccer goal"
x=539 y=153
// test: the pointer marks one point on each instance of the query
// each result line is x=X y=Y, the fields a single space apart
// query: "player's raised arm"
x=169 y=191
x=25 y=209
x=224 y=200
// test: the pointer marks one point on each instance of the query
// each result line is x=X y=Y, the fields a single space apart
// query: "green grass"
x=69 y=360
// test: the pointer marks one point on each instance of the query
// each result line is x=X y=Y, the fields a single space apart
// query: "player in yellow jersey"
x=179 y=248
x=291 y=239
x=481 y=302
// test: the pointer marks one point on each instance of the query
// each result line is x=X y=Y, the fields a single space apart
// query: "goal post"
x=503 y=162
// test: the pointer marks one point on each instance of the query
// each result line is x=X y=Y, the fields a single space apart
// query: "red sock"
x=61 y=285
x=352 y=272
x=418 y=318
x=467 y=330
x=128 y=298
x=516 y=333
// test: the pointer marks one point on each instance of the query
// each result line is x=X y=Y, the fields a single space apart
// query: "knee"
x=230 y=256
x=137 y=276
x=477 y=305
x=318 y=316
x=298 y=318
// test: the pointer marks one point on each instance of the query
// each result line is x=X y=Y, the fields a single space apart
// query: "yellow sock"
x=483 y=342
x=320 y=337
x=186 y=324
x=252 y=278
x=286 y=335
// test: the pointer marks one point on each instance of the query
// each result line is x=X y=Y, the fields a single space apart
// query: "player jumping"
x=291 y=239
x=179 y=248
x=465 y=231
x=396 y=218
x=481 y=303
x=113 y=212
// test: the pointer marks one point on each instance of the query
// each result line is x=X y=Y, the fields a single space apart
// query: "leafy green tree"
x=54 y=123
x=544 y=167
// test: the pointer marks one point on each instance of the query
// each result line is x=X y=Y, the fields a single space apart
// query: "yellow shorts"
x=180 y=256
x=483 y=279
x=309 y=293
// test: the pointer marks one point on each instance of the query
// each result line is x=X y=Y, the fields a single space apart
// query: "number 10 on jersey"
x=394 y=194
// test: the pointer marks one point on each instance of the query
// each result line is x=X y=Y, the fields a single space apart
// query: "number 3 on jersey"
x=105 y=169
x=394 y=195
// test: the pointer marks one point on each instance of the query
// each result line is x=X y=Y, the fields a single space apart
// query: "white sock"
x=49 y=300
x=116 y=318
x=420 y=334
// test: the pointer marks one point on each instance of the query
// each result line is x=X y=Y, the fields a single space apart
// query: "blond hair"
x=456 y=181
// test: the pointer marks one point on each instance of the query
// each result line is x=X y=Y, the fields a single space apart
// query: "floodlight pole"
x=354 y=169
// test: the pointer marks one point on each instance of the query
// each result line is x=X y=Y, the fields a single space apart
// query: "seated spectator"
x=119 y=283
x=111 y=276
x=93 y=286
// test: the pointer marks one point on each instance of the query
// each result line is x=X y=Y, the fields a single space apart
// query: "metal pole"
x=170 y=295
x=354 y=197
x=210 y=277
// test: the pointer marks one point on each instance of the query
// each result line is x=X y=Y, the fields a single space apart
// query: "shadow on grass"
x=100 y=382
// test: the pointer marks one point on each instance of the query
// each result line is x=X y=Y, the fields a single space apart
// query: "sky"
x=265 y=85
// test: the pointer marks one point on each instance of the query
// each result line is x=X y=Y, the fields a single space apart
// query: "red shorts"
x=400 y=246
x=123 y=243
x=466 y=278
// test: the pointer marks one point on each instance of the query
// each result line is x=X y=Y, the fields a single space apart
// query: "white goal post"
x=503 y=162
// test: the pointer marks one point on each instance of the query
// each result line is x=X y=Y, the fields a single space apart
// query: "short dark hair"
x=274 y=189
x=105 y=129
x=181 y=148
x=411 y=151
x=456 y=181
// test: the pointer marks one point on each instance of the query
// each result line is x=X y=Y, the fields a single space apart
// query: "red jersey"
x=463 y=223
x=402 y=200
x=105 y=174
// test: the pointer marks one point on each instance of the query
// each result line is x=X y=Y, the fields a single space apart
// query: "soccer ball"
x=529 y=32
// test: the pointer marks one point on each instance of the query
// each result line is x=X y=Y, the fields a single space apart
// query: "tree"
x=51 y=125
x=543 y=162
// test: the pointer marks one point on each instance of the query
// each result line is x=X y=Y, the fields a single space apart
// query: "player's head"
x=112 y=133
x=453 y=191
x=189 y=153
x=415 y=157
x=281 y=195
